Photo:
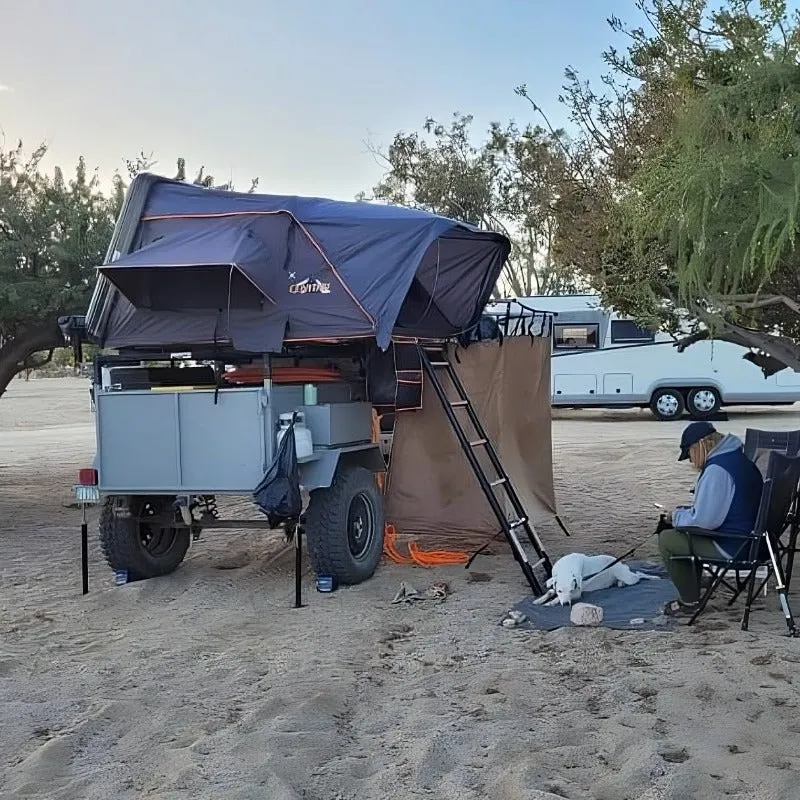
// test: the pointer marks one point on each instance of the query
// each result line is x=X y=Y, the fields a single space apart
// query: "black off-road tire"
x=331 y=524
x=667 y=404
x=129 y=544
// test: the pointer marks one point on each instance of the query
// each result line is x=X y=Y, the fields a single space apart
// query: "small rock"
x=585 y=614
x=513 y=619
x=676 y=756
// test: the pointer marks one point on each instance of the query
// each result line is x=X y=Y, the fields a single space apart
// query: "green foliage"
x=53 y=233
x=688 y=186
x=443 y=173
x=724 y=191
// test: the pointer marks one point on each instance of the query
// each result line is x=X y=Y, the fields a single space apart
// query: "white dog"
x=578 y=573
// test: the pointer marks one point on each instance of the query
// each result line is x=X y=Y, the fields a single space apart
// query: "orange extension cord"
x=416 y=555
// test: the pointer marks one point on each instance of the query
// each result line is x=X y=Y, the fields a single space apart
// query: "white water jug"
x=304 y=444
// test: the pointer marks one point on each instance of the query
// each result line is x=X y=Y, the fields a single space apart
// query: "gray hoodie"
x=713 y=493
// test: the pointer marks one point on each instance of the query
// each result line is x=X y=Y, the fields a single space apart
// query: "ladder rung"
x=459 y=403
x=498 y=482
x=440 y=363
x=478 y=443
x=538 y=563
x=517 y=522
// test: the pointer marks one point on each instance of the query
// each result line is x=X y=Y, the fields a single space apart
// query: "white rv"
x=604 y=360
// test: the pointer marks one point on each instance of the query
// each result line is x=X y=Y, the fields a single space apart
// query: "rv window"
x=625 y=330
x=575 y=337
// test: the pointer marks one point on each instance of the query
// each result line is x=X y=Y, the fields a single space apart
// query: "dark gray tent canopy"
x=191 y=266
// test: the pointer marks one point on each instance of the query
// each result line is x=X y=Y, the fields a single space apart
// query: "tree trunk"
x=15 y=352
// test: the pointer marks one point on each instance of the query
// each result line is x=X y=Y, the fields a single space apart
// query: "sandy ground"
x=207 y=684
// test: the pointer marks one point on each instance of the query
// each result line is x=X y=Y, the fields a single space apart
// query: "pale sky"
x=286 y=91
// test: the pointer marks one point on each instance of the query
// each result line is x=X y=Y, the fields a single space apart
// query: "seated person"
x=726 y=500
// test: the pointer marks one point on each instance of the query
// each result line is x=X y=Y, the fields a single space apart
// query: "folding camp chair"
x=758 y=445
x=777 y=514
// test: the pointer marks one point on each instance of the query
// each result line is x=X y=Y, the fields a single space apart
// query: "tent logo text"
x=309 y=286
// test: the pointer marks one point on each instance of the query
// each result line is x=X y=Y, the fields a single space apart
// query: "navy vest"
x=748 y=483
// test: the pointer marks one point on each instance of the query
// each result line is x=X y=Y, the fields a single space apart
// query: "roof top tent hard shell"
x=211 y=299
x=602 y=359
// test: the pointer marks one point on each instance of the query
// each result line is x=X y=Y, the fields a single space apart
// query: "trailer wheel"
x=135 y=535
x=667 y=404
x=703 y=403
x=344 y=526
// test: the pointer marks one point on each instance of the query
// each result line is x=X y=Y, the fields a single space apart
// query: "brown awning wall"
x=431 y=490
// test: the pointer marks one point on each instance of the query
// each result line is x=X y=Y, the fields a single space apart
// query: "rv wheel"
x=703 y=403
x=667 y=404
x=344 y=526
x=138 y=534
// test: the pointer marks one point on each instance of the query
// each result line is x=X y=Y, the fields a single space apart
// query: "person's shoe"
x=677 y=608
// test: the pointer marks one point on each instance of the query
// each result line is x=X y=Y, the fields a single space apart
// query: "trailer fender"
x=318 y=473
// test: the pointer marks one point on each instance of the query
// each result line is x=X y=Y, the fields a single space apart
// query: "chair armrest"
x=715 y=534
x=691 y=531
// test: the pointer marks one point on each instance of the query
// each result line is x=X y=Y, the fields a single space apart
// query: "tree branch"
x=17 y=351
x=31 y=362
x=776 y=352
x=748 y=302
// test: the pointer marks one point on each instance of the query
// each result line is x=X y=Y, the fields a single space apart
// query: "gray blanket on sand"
x=636 y=607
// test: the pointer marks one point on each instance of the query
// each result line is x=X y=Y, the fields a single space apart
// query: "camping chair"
x=758 y=445
x=776 y=514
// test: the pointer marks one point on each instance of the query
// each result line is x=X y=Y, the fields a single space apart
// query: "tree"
x=722 y=198
x=684 y=195
x=508 y=184
x=53 y=233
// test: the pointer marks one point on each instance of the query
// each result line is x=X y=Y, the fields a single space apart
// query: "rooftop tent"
x=333 y=269
x=217 y=266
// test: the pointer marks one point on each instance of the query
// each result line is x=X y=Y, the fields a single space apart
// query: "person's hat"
x=692 y=435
